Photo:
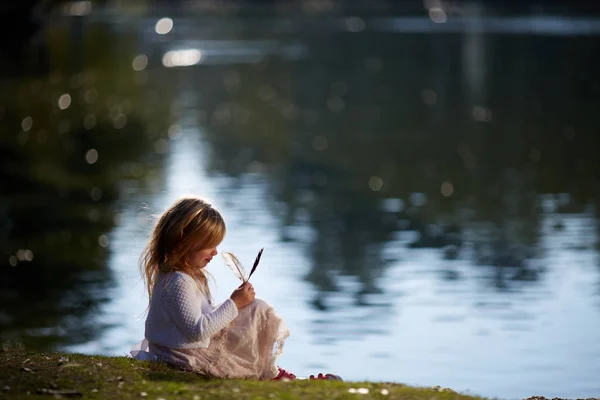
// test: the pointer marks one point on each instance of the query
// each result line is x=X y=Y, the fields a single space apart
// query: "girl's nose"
x=215 y=252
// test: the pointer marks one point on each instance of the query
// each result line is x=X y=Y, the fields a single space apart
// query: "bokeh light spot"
x=418 y=199
x=163 y=26
x=375 y=183
x=91 y=156
x=64 y=101
x=393 y=205
x=24 y=255
x=103 y=241
x=140 y=62
x=182 y=58
x=355 y=24
x=27 y=123
x=447 y=189
x=437 y=15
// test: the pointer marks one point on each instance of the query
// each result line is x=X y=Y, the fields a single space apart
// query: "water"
x=426 y=194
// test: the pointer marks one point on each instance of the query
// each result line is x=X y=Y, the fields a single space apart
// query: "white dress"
x=247 y=348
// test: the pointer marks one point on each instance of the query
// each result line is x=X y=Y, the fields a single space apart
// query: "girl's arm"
x=186 y=311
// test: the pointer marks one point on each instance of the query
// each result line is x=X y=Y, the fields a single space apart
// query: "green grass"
x=26 y=375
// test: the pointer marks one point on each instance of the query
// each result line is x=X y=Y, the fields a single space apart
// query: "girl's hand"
x=243 y=295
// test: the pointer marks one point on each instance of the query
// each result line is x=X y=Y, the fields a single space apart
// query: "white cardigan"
x=180 y=315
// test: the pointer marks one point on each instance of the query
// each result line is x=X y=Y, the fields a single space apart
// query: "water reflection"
x=439 y=184
x=334 y=149
x=72 y=143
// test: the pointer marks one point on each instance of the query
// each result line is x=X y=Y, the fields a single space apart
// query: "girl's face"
x=199 y=257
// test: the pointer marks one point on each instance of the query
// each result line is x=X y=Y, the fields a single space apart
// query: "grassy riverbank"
x=26 y=375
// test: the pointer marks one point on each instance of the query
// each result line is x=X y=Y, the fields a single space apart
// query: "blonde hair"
x=187 y=223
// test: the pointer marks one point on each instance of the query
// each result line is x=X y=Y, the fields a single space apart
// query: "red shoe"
x=284 y=375
x=326 y=377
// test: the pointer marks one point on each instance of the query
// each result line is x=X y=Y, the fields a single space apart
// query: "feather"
x=255 y=263
x=234 y=264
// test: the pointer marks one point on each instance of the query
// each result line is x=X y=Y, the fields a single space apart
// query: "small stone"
x=143 y=394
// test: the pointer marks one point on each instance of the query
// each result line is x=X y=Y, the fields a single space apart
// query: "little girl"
x=239 y=338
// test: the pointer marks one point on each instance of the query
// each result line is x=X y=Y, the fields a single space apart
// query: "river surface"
x=425 y=184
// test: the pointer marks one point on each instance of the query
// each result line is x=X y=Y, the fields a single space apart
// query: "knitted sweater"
x=181 y=316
